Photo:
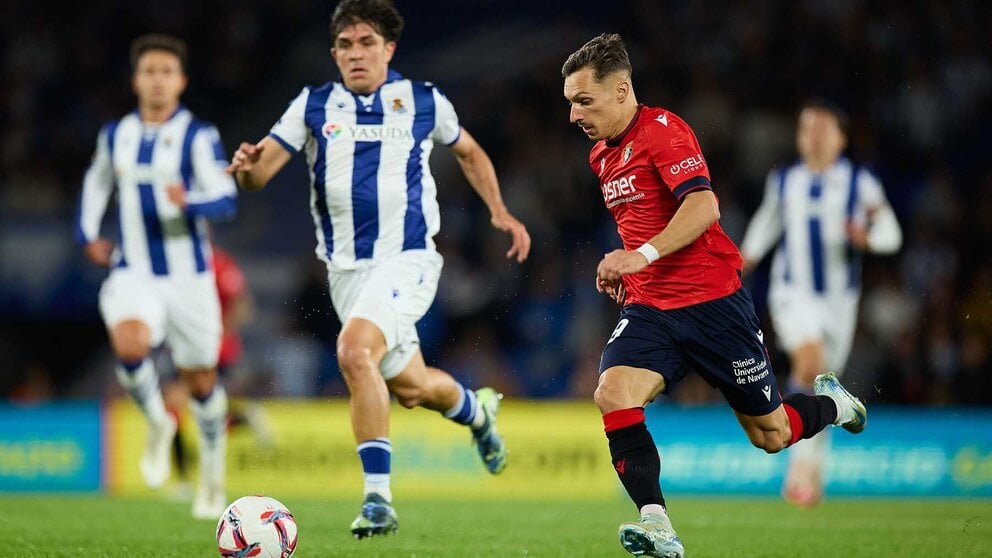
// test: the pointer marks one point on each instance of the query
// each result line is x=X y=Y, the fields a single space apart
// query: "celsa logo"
x=692 y=164
x=332 y=131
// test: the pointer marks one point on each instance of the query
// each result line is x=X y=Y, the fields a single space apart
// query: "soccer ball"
x=256 y=526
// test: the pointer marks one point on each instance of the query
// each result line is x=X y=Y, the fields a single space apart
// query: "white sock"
x=379 y=484
x=211 y=418
x=656 y=509
x=141 y=384
x=211 y=415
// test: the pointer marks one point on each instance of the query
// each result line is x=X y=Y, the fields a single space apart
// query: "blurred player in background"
x=678 y=280
x=235 y=311
x=367 y=140
x=167 y=169
x=823 y=213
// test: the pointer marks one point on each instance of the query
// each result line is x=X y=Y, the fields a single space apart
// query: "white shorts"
x=392 y=294
x=183 y=311
x=801 y=317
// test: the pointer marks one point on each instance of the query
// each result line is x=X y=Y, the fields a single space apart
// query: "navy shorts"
x=720 y=339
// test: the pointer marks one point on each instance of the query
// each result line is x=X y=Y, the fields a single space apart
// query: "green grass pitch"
x=92 y=526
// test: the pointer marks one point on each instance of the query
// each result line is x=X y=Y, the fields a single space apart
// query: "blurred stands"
x=915 y=77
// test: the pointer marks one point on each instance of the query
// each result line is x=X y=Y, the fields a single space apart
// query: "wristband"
x=649 y=252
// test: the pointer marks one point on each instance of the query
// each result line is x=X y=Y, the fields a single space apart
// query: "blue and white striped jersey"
x=140 y=161
x=372 y=193
x=807 y=214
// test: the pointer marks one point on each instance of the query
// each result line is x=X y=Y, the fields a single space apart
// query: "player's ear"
x=623 y=89
x=390 y=50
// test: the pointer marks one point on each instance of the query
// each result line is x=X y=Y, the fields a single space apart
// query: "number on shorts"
x=619 y=329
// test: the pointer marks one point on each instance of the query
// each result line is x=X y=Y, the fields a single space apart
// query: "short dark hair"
x=606 y=54
x=826 y=105
x=158 y=41
x=380 y=14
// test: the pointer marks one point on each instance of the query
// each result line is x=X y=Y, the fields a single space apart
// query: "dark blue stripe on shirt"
x=315 y=116
x=853 y=254
x=186 y=167
x=414 y=224
x=691 y=185
x=365 y=180
x=153 y=229
x=816 y=237
x=285 y=144
x=149 y=210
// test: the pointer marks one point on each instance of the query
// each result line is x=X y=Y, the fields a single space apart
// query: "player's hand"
x=618 y=263
x=245 y=157
x=99 y=252
x=857 y=234
x=177 y=194
x=520 y=245
x=615 y=290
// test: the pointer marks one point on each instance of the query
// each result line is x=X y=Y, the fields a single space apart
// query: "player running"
x=824 y=213
x=167 y=169
x=367 y=140
x=678 y=280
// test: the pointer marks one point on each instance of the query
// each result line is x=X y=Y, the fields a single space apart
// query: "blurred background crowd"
x=915 y=77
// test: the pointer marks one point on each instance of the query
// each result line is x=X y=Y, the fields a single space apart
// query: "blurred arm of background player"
x=881 y=235
x=765 y=228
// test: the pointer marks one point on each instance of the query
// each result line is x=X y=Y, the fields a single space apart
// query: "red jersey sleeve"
x=676 y=155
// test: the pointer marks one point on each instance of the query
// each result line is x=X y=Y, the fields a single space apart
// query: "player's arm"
x=481 y=174
x=98 y=186
x=253 y=165
x=881 y=234
x=212 y=193
x=766 y=226
x=697 y=212
x=884 y=236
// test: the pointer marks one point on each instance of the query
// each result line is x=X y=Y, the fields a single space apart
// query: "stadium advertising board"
x=558 y=451
x=50 y=448
x=903 y=452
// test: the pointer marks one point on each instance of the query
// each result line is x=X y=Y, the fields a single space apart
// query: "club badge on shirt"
x=627 y=151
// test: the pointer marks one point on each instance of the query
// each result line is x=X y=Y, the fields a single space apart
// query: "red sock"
x=795 y=421
x=615 y=420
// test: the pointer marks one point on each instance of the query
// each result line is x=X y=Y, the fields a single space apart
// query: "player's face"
x=158 y=79
x=819 y=138
x=362 y=56
x=595 y=106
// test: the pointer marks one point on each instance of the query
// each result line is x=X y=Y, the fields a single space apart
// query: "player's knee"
x=130 y=345
x=609 y=397
x=768 y=440
x=131 y=340
x=199 y=382
x=354 y=360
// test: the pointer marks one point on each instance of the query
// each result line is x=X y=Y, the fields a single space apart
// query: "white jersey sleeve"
x=766 y=226
x=884 y=233
x=213 y=191
x=291 y=128
x=446 y=127
x=98 y=186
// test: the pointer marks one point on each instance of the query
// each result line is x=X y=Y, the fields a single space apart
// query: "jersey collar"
x=619 y=139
